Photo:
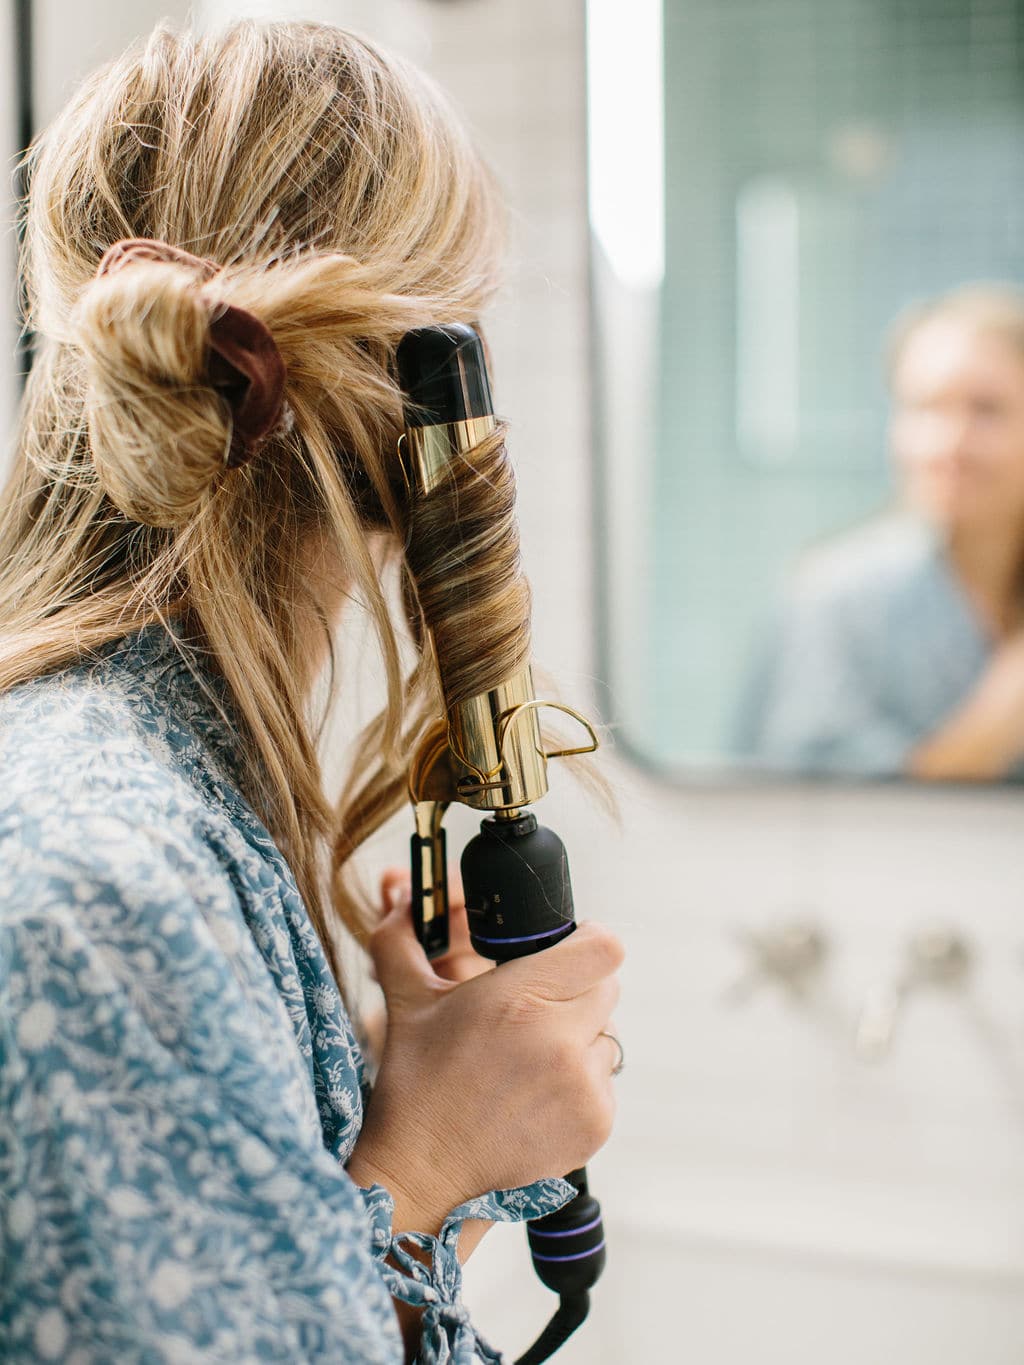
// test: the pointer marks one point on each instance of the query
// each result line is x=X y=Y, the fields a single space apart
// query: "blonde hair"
x=990 y=307
x=344 y=205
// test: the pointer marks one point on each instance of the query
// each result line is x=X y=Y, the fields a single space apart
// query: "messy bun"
x=158 y=432
x=185 y=347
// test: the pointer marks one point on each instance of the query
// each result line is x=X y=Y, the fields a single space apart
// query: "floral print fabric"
x=180 y=1085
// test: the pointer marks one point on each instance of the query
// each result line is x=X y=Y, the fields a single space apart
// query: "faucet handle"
x=790 y=952
x=938 y=956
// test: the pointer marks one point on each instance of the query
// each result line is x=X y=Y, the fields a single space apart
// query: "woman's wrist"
x=421 y=1204
x=421 y=1201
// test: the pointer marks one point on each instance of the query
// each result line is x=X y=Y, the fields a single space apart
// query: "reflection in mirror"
x=811 y=421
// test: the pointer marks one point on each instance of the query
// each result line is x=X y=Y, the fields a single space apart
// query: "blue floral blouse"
x=180 y=1085
x=873 y=646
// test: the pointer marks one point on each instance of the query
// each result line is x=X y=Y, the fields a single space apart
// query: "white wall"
x=72 y=39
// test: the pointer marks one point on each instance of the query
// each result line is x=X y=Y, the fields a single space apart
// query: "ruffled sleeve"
x=164 y=1188
x=163 y=1174
x=448 y=1334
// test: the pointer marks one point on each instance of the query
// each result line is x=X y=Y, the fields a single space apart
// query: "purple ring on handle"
x=525 y=938
x=578 y=1256
x=570 y=1232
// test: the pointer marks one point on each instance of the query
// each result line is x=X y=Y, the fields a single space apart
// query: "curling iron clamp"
x=489 y=755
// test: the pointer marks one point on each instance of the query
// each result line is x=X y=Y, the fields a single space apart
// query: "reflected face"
x=957 y=426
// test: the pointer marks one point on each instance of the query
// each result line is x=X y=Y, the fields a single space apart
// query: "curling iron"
x=490 y=756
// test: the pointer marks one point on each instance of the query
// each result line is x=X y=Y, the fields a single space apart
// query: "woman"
x=901 y=647
x=225 y=239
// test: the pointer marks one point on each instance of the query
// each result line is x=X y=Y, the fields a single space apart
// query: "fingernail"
x=399 y=897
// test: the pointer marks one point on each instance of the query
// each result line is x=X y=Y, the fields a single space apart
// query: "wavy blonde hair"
x=344 y=205
x=991 y=307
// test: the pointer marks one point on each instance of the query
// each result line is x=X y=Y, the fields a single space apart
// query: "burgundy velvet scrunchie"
x=244 y=364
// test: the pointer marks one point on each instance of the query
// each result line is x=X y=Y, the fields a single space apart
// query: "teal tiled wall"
x=896 y=129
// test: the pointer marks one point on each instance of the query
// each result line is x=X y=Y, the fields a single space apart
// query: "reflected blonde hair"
x=990 y=307
x=344 y=205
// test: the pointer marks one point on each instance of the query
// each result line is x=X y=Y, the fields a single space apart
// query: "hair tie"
x=244 y=366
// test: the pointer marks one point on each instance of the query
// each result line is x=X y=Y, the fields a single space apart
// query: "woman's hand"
x=460 y=962
x=490 y=1082
x=1007 y=675
x=984 y=737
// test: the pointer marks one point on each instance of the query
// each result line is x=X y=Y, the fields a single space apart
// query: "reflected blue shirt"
x=874 y=647
x=180 y=1084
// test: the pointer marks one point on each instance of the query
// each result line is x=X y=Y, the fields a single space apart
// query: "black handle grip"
x=515 y=874
x=443 y=373
x=568 y=1245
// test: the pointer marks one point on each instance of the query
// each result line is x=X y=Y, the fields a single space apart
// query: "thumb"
x=401 y=965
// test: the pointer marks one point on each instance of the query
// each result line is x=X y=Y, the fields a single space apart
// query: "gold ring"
x=622 y=1051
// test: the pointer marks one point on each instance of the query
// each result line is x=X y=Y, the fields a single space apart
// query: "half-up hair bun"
x=180 y=385
x=343 y=204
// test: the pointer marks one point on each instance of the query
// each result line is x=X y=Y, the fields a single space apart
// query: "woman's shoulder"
x=124 y=847
x=72 y=742
x=84 y=799
x=126 y=729
x=101 y=768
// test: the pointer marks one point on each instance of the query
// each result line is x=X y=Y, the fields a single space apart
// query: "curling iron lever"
x=489 y=755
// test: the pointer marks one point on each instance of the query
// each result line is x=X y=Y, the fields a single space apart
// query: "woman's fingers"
x=603 y=1056
x=592 y=1009
x=395 y=890
x=399 y=961
x=572 y=966
x=460 y=962
x=458 y=920
x=395 y=885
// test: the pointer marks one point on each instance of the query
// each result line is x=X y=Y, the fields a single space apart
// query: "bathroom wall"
x=768 y=1195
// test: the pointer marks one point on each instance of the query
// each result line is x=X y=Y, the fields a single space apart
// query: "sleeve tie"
x=449 y=1337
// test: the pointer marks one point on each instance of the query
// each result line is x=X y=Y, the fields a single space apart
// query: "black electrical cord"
x=571 y=1311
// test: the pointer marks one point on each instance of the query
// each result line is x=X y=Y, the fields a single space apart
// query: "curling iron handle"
x=568 y=1246
x=515 y=874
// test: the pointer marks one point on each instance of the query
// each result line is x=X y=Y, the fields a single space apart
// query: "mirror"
x=807 y=235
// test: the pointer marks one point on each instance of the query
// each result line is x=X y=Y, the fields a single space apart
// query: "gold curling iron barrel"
x=489 y=755
x=494 y=738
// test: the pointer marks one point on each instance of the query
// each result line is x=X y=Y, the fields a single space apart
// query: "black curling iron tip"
x=443 y=373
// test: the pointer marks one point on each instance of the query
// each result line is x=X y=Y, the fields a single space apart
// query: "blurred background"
x=762 y=353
